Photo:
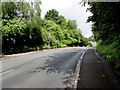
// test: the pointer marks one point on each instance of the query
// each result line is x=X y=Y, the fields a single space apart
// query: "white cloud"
x=59 y=5
x=71 y=9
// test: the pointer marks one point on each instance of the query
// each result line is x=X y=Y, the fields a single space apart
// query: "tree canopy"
x=24 y=29
x=105 y=28
x=105 y=21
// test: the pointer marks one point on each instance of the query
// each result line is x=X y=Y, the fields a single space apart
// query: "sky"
x=70 y=9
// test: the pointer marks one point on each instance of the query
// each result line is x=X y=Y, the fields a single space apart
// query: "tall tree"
x=71 y=24
x=52 y=15
x=9 y=10
x=106 y=20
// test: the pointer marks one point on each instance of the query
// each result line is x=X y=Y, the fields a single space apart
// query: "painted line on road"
x=78 y=68
x=6 y=71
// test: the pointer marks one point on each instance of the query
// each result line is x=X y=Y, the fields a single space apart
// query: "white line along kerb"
x=6 y=71
x=78 y=69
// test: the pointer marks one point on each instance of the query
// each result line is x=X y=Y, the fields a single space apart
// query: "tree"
x=106 y=21
x=13 y=35
x=24 y=29
x=9 y=10
x=71 y=24
x=51 y=15
x=91 y=38
x=21 y=26
x=105 y=28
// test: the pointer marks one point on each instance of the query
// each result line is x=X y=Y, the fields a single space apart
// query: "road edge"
x=77 y=70
x=7 y=57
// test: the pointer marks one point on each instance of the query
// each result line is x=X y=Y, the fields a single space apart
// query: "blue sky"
x=71 y=9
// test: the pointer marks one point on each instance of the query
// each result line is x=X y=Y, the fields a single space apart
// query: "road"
x=50 y=69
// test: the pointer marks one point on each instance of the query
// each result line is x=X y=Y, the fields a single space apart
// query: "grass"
x=111 y=52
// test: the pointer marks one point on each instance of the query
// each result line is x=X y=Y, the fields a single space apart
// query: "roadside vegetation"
x=106 y=29
x=24 y=30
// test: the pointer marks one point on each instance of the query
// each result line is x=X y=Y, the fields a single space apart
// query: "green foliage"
x=105 y=28
x=52 y=15
x=71 y=24
x=110 y=51
x=90 y=44
x=106 y=21
x=13 y=34
x=8 y=10
x=91 y=38
x=24 y=30
x=63 y=31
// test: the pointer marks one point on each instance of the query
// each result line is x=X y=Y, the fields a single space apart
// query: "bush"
x=111 y=52
x=61 y=45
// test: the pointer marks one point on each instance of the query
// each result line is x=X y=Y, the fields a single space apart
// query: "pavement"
x=95 y=72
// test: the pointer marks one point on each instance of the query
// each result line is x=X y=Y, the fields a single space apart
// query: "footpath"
x=95 y=72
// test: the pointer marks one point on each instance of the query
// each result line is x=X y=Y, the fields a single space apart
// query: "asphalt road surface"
x=50 y=69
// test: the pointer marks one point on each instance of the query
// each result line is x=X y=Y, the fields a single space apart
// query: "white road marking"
x=6 y=71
